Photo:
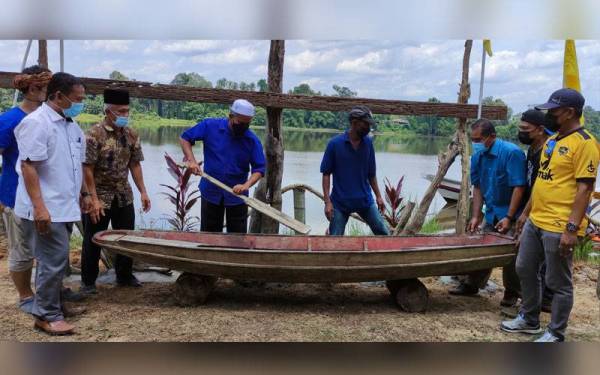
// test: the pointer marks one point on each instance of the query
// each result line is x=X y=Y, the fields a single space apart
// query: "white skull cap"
x=243 y=107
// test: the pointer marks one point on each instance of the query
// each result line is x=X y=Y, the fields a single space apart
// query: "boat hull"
x=311 y=259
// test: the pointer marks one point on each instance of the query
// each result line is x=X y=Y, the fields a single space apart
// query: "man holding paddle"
x=231 y=151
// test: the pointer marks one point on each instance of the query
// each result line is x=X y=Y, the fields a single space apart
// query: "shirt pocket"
x=76 y=151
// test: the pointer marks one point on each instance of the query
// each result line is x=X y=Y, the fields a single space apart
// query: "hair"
x=578 y=113
x=486 y=126
x=34 y=69
x=63 y=82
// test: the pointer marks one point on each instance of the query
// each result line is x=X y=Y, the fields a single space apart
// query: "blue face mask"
x=121 y=121
x=478 y=146
x=74 y=110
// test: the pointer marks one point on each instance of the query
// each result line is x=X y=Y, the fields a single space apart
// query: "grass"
x=431 y=226
x=584 y=252
x=76 y=241
x=138 y=121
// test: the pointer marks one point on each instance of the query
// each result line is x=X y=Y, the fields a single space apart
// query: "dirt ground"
x=302 y=312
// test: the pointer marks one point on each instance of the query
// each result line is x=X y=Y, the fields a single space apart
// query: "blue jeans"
x=370 y=215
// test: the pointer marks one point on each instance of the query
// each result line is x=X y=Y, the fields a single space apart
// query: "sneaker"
x=549 y=337
x=520 y=325
x=88 y=289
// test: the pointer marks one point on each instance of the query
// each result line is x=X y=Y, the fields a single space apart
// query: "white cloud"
x=103 y=69
x=261 y=70
x=307 y=59
x=183 y=47
x=107 y=45
x=367 y=64
x=235 y=55
x=543 y=59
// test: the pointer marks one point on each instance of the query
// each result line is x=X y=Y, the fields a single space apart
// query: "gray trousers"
x=536 y=246
x=51 y=253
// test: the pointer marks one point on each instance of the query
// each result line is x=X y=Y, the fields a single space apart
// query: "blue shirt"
x=496 y=172
x=352 y=169
x=226 y=158
x=9 y=179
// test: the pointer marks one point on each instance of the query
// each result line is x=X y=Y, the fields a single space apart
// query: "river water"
x=396 y=157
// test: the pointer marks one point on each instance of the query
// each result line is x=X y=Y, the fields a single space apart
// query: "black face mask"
x=363 y=132
x=240 y=128
x=525 y=138
x=551 y=122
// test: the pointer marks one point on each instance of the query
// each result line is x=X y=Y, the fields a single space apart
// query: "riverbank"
x=149 y=122
x=300 y=312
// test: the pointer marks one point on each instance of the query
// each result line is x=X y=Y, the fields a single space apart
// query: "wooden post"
x=456 y=146
x=269 y=188
x=43 y=53
x=300 y=205
x=406 y=213
x=463 y=142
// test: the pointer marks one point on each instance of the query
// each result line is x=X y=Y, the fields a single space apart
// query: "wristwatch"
x=510 y=218
x=572 y=227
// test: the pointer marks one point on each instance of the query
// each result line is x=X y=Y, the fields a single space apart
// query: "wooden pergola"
x=269 y=189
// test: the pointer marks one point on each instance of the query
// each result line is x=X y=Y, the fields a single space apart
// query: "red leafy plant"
x=178 y=194
x=393 y=197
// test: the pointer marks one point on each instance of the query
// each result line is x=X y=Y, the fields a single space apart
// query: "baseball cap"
x=563 y=98
x=362 y=112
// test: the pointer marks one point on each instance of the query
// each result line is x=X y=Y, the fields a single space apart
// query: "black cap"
x=118 y=97
x=534 y=117
x=564 y=98
x=361 y=112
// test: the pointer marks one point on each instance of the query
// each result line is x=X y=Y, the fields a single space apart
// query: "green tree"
x=116 y=75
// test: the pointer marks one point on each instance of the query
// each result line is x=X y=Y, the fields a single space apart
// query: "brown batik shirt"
x=110 y=151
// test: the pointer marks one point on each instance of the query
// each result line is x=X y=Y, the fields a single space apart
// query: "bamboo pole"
x=463 y=146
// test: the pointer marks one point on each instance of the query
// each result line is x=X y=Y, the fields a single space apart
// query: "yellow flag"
x=571 y=69
x=487 y=45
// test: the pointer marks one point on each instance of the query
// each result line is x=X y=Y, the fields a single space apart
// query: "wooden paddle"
x=262 y=207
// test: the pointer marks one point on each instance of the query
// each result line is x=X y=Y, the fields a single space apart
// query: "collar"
x=108 y=128
x=53 y=115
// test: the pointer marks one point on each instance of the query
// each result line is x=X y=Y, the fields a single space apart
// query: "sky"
x=522 y=73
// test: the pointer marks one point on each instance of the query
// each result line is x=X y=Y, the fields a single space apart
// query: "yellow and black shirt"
x=563 y=162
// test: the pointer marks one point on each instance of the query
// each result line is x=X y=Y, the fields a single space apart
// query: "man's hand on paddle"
x=329 y=210
x=568 y=241
x=194 y=166
x=241 y=188
x=97 y=210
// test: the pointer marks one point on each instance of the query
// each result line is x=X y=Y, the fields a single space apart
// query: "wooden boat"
x=449 y=189
x=311 y=259
x=204 y=257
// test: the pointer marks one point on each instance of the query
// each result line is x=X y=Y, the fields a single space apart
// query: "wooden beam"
x=140 y=89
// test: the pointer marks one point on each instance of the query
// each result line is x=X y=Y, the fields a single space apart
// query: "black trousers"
x=212 y=215
x=120 y=218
